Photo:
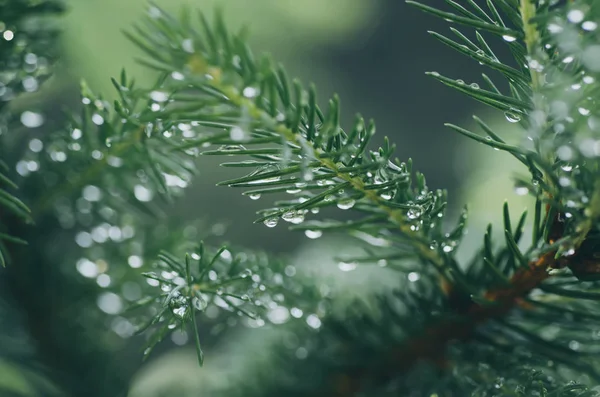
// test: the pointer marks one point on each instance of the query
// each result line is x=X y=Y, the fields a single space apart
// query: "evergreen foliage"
x=519 y=319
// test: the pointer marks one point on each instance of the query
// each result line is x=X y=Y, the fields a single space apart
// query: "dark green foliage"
x=519 y=319
x=27 y=32
x=245 y=284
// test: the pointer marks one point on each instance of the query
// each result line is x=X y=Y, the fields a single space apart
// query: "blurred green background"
x=374 y=54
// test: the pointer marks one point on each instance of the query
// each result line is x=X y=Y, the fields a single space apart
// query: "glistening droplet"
x=512 y=117
x=271 y=222
x=313 y=234
x=345 y=204
x=347 y=266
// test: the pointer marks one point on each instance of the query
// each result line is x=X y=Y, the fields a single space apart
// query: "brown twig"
x=430 y=345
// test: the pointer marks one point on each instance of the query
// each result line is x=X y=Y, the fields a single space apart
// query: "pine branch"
x=240 y=283
x=248 y=95
x=213 y=91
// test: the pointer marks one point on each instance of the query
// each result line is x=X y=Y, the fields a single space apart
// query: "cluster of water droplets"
x=566 y=116
x=296 y=217
x=25 y=62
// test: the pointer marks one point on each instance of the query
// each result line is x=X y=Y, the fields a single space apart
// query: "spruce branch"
x=236 y=93
x=333 y=167
x=241 y=282
x=509 y=301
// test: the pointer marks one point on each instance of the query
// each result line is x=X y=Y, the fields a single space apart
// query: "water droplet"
x=271 y=222
x=583 y=111
x=308 y=175
x=87 y=268
x=180 y=311
x=313 y=321
x=92 y=193
x=564 y=181
x=288 y=216
x=188 y=45
x=298 y=218
x=447 y=247
x=142 y=193
x=97 y=119
x=296 y=313
x=159 y=96
x=554 y=28
x=512 y=117
x=565 y=153
x=109 y=303
x=413 y=276
x=278 y=315
x=152 y=282
x=521 y=190
x=199 y=303
x=386 y=195
x=459 y=81
x=31 y=119
x=301 y=353
x=474 y=86
x=250 y=92
x=293 y=191
x=238 y=134
x=135 y=261
x=589 y=26
x=413 y=213
x=575 y=16
x=534 y=64
x=313 y=234
x=508 y=38
x=30 y=84
x=235 y=148
x=177 y=76
x=255 y=196
x=574 y=345
x=345 y=204
x=103 y=280
x=347 y=266
x=84 y=239
x=35 y=145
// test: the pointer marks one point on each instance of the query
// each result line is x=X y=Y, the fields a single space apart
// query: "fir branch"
x=334 y=167
x=224 y=70
x=213 y=91
x=237 y=282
